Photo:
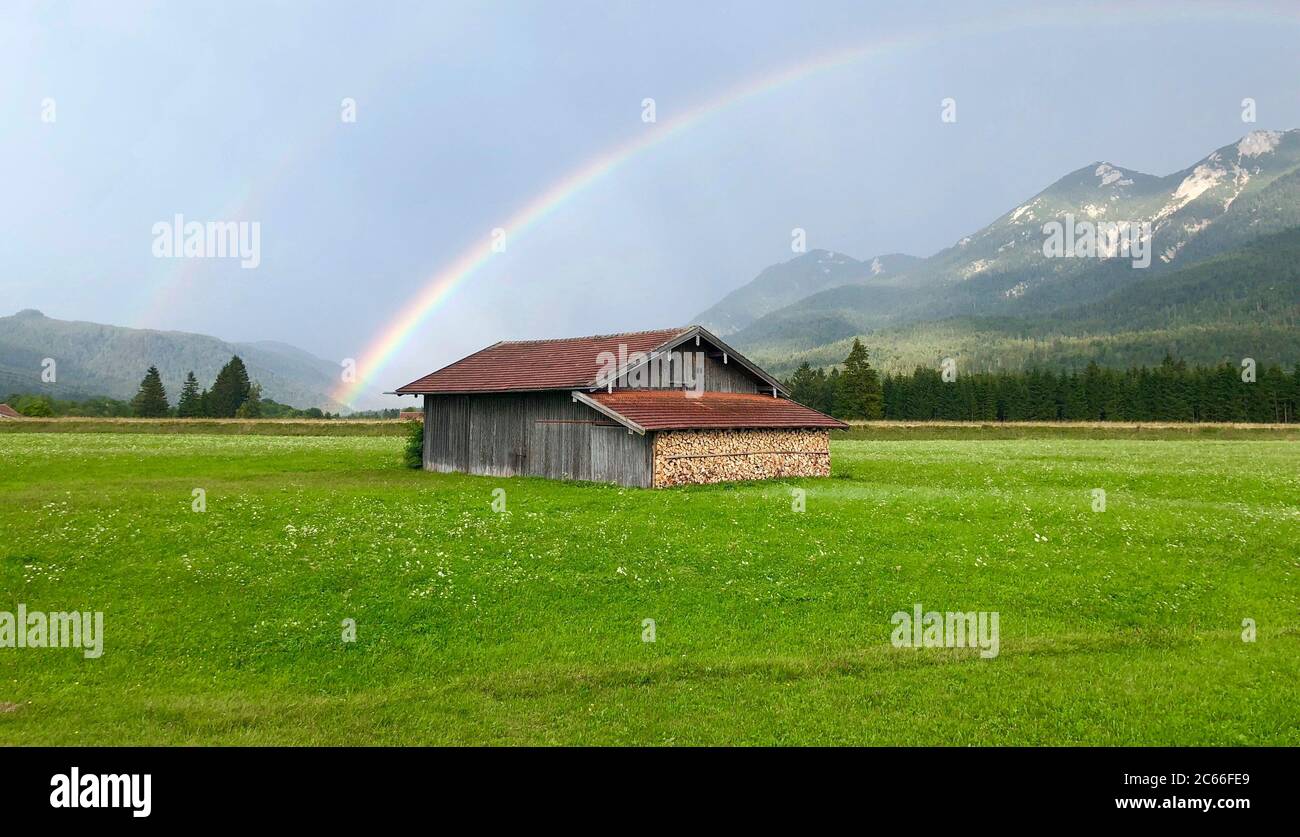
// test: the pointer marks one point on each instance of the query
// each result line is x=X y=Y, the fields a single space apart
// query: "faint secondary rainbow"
x=440 y=286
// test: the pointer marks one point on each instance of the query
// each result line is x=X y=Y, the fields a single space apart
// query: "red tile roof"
x=570 y=363
x=674 y=410
x=9 y=412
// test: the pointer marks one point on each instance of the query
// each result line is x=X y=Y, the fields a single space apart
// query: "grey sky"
x=466 y=111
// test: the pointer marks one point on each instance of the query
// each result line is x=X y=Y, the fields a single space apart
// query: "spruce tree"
x=820 y=402
x=151 y=400
x=831 y=394
x=1094 y=393
x=986 y=399
x=860 y=394
x=230 y=390
x=190 y=405
x=803 y=386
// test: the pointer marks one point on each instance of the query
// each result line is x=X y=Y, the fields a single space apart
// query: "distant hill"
x=802 y=276
x=951 y=302
x=95 y=359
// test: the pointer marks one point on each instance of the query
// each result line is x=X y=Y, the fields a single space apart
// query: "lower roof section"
x=675 y=409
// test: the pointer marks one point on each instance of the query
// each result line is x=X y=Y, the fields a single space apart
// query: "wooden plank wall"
x=718 y=376
x=531 y=434
x=728 y=377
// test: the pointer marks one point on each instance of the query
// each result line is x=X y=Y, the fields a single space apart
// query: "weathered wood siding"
x=541 y=434
x=727 y=377
x=718 y=376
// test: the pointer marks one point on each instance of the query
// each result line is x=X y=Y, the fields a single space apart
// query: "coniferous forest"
x=1172 y=391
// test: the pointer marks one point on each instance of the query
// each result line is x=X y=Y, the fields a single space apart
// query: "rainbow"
x=440 y=286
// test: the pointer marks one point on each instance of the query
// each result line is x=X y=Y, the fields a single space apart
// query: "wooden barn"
x=645 y=409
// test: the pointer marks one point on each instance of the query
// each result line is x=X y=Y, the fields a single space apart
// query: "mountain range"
x=1223 y=282
x=93 y=359
x=1218 y=242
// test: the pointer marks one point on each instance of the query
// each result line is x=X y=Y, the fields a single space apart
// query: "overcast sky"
x=465 y=112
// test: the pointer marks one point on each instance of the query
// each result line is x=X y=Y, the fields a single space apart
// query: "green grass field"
x=772 y=626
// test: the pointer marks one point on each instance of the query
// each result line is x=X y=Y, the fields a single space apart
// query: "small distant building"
x=411 y=415
x=7 y=412
x=645 y=409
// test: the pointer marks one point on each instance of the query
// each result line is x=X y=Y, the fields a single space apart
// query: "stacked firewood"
x=684 y=457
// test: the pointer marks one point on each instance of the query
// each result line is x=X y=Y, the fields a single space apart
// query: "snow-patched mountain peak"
x=1108 y=174
x=1219 y=171
x=1258 y=142
x=1203 y=178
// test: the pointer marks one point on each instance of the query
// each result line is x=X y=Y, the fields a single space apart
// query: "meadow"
x=771 y=625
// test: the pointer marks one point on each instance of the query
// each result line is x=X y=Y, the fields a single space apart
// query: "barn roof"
x=9 y=412
x=514 y=365
x=675 y=409
x=566 y=363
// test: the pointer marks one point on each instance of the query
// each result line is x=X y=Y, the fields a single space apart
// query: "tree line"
x=41 y=405
x=1172 y=391
x=232 y=395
